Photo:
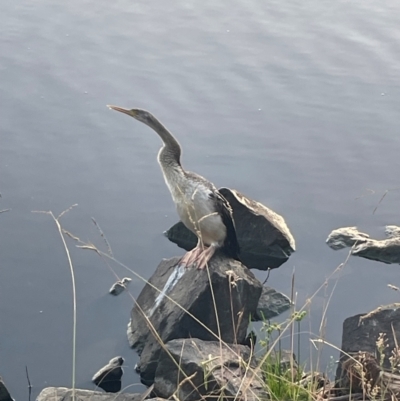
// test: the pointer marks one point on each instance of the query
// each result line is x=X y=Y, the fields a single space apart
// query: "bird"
x=200 y=206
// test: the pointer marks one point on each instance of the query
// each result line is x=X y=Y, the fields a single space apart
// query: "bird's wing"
x=223 y=208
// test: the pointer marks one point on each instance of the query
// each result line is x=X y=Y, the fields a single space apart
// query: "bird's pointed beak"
x=122 y=110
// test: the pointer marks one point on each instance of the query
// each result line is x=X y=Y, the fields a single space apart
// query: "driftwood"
x=385 y=250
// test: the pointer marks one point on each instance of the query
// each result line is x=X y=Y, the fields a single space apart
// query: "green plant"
x=279 y=383
x=281 y=373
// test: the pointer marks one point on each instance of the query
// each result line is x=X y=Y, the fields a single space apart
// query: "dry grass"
x=280 y=384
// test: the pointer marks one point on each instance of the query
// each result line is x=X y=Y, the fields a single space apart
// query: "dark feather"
x=223 y=208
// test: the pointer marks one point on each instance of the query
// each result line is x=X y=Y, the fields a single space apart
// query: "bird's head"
x=171 y=151
x=139 y=114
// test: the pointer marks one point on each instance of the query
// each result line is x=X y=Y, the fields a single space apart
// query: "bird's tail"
x=231 y=246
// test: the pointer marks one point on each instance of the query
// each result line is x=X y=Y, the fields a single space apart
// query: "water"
x=294 y=104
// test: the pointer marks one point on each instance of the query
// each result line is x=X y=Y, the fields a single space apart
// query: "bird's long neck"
x=169 y=158
x=170 y=154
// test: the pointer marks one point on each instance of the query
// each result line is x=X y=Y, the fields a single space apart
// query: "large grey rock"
x=215 y=370
x=271 y=304
x=385 y=250
x=236 y=293
x=361 y=332
x=4 y=393
x=264 y=238
x=109 y=376
x=65 y=394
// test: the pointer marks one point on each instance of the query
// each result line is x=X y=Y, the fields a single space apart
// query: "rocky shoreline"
x=190 y=327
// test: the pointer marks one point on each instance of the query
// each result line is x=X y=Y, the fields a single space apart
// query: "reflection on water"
x=295 y=105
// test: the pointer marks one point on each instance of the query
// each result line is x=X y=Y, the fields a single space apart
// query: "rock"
x=214 y=370
x=181 y=236
x=4 y=393
x=365 y=376
x=345 y=237
x=362 y=374
x=361 y=333
x=109 y=376
x=236 y=293
x=271 y=304
x=65 y=394
x=120 y=286
x=264 y=238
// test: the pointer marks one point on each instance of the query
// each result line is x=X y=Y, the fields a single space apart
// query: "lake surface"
x=295 y=104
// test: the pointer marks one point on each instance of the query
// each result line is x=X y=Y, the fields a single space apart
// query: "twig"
x=65 y=211
x=71 y=267
x=383 y=196
x=146 y=393
x=29 y=383
x=378 y=309
x=347 y=397
x=70 y=235
x=268 y=273
x=186 y=379
x=370 y=191
x=89 y=246
x=103 y=236
x=293 y=309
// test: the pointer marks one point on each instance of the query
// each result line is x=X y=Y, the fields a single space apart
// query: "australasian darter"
x=200 y=206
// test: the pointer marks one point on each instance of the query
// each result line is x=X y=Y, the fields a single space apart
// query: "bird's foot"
x=190 y=257
x=205 y=256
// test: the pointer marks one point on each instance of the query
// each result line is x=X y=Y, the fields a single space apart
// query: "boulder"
x=4 y=393
x=271 y=304
x=178 y=302
x=264 y=238
x=109 y=376
x=65 y=394
x=192 y=369
x=360 y=335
